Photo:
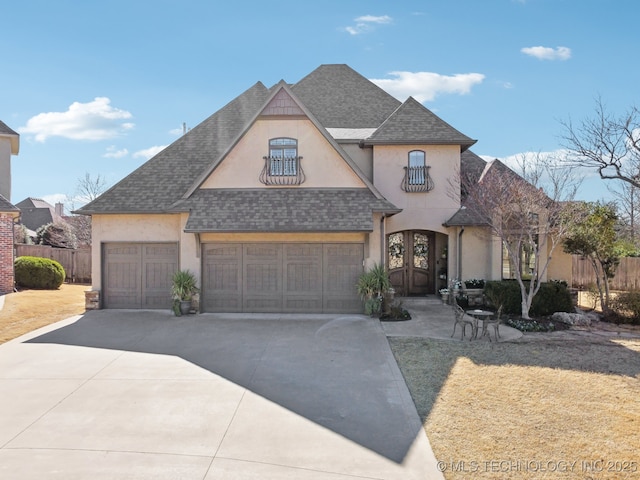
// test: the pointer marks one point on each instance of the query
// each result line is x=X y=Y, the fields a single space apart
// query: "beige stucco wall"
x=560 y=266
x=420 y=211
x=321 y=163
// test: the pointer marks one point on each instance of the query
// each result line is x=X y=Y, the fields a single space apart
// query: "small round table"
x=478 y=315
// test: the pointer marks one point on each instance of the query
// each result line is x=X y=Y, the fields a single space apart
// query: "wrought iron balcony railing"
x=417 y=179
x=282 y=171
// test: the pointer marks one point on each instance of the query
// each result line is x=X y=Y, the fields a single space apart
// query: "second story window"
x=282 y=165
x=416 y=175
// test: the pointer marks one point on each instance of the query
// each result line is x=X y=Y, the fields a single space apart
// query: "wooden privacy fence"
x=627 y=276
x=76 y=263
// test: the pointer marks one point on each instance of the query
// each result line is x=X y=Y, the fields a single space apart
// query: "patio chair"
x=495 y=323
x=463 y=320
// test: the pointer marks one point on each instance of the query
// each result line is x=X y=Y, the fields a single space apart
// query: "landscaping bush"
x=552 y=297
x=38 y=273
x=626 y=305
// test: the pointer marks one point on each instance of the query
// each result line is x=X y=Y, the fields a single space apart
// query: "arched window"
x=416 y=174
x=416 y=167
x=282 y=165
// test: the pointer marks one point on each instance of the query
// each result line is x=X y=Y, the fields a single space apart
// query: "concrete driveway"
x=144 y=394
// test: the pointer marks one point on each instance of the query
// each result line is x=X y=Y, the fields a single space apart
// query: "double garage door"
x=238 y=277
x=281 y=277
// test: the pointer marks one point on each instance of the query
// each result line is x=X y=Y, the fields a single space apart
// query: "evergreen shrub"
x=38 y=273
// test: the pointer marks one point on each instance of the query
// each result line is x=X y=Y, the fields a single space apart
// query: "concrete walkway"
x=430 y=318
x=138 y=395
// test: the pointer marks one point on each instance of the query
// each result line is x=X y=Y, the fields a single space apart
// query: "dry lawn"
x=28 y=310
x=527 y=410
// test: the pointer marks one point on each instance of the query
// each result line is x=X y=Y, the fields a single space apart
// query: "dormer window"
x=416 y=175
x=282 y=165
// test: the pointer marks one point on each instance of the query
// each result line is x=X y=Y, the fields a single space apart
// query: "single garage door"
x=281 y=277
x=138 y=275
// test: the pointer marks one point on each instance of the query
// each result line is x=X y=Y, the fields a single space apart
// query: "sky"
x=97 y=87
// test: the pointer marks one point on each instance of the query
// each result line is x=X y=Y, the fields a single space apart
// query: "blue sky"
x=96 y=87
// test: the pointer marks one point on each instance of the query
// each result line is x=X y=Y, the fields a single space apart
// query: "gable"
x=322 y=164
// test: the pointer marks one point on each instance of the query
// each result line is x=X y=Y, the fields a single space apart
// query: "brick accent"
x=6 y=254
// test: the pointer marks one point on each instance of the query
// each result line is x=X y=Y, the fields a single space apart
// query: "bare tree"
x=607 y=143
x=88 y=189
x=530 y=215
x=627 y=199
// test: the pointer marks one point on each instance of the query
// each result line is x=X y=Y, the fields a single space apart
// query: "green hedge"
x=39 y=273
x=552 y=297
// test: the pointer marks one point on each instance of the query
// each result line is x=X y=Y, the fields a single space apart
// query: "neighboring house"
x=36 y=213
x=282 y=198
x=9 y=145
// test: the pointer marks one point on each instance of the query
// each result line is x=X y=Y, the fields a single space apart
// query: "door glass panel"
x=396 y=250
x=420 y=251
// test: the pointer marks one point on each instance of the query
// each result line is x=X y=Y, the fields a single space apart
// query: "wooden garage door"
x=138 y=275
x=295 y=277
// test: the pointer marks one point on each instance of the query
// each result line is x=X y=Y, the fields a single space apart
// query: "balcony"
x=417 y=179
x=282 y=171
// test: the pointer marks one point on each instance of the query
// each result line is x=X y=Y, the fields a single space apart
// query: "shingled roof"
x=7 y=207
x=283 y=210
x=340 y=97
x=412 y=123
x=160 y=182
x=334 y=96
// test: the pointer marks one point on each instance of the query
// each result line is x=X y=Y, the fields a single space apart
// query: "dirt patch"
x=528 y=410
x=28 y=310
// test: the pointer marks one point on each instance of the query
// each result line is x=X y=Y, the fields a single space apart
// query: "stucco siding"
x=420 y=211
x=322 y=165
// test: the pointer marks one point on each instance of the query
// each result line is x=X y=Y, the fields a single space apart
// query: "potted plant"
x=473 y=289
x=374 y=287
x=183 y=288
x=444 y=293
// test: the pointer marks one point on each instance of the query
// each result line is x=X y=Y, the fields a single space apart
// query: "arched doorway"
x=410 y=258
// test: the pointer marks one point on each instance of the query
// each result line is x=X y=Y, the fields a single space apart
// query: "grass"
x=518 y=410
x=28 y=310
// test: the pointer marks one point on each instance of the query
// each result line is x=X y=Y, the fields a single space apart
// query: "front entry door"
x=410 y=257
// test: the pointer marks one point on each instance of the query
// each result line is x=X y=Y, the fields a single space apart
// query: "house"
x=36 y=213
x=282 y=198
x=9 y=145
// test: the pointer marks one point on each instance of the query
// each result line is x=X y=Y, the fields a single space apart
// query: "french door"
x=410 y=259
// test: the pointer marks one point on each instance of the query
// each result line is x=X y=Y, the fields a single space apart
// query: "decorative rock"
x=582 y=319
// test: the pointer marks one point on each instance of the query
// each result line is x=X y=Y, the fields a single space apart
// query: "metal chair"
x=495 y=323
x=463 y=320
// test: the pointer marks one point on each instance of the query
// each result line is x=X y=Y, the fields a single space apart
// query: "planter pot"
x=185 y=306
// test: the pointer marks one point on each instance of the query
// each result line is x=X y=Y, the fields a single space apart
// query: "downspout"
x=459 y=255
x=382 y=239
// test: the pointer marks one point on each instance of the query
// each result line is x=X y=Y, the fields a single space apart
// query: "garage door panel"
x=262 y=278
x=342 y=267
x=295 y=277
x=222 y=278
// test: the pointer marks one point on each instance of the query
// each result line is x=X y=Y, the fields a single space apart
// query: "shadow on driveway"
x=335 y=371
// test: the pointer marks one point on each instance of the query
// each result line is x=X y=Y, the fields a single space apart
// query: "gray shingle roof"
x=164 y=179
x=5 y=130
x=412 y=123
x=340 y=97
x=7 y=206
x=283 y=210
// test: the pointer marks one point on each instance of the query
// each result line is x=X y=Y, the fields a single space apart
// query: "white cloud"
x=425 y=86
x=96 y=120
x=176 y=131
x=113 y=152
x=365 y=23
x=548 y=53
x=147 y=153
